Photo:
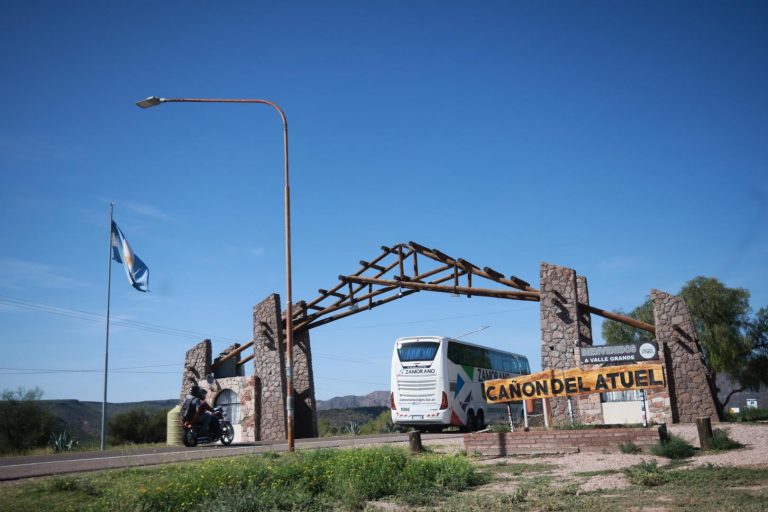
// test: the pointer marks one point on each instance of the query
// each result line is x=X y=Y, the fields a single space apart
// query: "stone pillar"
x=197 y=364
x=589 y=407
x=305 y=415
x=585 y=318
x=559 y=326
x=688 y=381
x=269 y=369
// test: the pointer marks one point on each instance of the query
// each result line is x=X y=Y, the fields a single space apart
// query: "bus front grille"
x=416 y=387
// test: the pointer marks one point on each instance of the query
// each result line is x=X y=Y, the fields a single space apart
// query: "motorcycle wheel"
x=189 y=439
x=227 y=433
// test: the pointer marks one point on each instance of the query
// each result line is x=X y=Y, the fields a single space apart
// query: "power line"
x=97 y=317
x=184 y=333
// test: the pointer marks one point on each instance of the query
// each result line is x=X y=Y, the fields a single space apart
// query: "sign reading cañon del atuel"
x=553 y=383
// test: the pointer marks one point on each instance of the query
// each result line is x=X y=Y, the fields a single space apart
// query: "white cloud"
x=147 y=210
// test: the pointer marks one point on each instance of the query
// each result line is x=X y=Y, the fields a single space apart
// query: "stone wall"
x=244 y=388
x=689 y=382
x=262 y=395
x=197 y=364
x=269 y=369
x=566 y=327
x=588 y=408
x=305 y=415
x=559 y=326
x=563 y=441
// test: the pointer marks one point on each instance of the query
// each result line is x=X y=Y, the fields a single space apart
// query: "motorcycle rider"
x=203 y=411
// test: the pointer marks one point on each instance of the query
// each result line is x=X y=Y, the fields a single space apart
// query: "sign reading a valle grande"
x=553 y=383
x=642 y=351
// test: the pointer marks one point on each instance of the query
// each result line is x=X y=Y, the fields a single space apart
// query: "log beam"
x=620 y=318
x=349 y=313
x=243 y=361
x=465 y=290
x=232 y=354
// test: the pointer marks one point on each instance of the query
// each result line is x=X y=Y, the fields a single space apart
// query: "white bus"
x=436 y=383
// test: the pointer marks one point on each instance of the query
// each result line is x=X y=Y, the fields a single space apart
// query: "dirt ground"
x=754 y=437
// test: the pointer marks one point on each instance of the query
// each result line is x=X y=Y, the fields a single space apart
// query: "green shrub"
x=24 y=424
x=62 y=442
x=574 y=426
x=72 y=484
x=138 y=426
x=325 y=428
x=647 y=474
x=674 y=448
x=381 y=424
x=630 y=448
x=428 y=476
x=312 y=480
x=721 y=440
x=748 y=415
x=352 y=428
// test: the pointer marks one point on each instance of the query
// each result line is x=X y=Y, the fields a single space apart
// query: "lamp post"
x=153 y=101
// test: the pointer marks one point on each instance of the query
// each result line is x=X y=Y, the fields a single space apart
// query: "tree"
x=24 y=424
x=732 y=342
x=753 y=372
x=617 y=333
x=721 y=315
x=138 y=426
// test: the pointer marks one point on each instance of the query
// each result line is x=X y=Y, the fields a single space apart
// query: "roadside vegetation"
x=747 y=415
x=734 y=340
x=28 y=428
x=138 y=426
x=24 y=425
x=311 y=480
x=535 y=487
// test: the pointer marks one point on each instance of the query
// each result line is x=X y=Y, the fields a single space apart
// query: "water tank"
x=174 y=432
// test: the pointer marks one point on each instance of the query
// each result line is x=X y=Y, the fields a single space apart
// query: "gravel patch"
x=567 y=467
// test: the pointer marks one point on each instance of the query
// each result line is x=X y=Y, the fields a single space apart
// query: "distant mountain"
x=375 y=399
x=83 y=419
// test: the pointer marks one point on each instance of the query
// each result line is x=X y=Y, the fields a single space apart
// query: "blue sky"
x=626 y=140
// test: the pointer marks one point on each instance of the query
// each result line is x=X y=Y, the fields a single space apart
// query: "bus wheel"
x=469 y=426
x=480 y=420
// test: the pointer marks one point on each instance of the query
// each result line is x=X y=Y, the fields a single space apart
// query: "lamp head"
x=150 y=102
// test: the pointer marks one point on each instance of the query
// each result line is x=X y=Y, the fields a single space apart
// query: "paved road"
x=15 y=468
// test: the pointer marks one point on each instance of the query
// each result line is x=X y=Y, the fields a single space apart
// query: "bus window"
x=497 y=361
x=419 y=351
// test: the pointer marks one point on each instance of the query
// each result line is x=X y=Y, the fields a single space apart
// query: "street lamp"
x=153 y=101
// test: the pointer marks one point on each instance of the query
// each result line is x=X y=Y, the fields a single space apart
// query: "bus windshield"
x=417 y=351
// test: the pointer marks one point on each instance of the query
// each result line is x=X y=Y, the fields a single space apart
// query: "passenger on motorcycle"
x=203 y=412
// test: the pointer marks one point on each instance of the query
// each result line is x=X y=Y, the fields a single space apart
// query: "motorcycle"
x=220 y=430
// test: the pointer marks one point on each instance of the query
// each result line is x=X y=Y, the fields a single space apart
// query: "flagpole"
x=106 y=342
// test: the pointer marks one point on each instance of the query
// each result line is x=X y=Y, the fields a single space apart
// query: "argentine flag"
x=137 y=271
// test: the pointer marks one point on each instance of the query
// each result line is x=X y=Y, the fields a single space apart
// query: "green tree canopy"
x=24 y=424
x=616 y=333
x=721 y=315
x=732 y=342
x=138 y=426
